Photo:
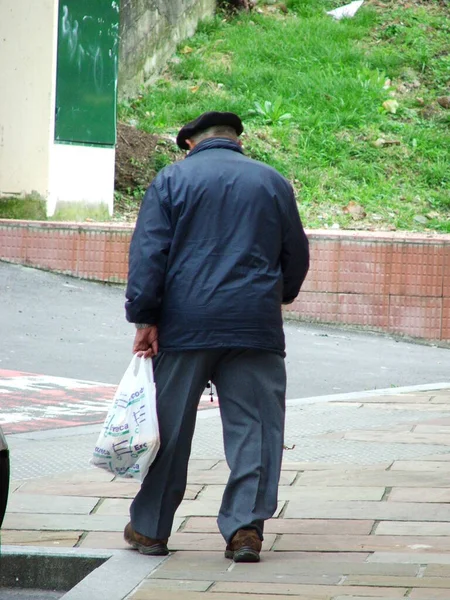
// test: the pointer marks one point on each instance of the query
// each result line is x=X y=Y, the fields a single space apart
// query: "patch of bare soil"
x=134 y=158
x=139 y=157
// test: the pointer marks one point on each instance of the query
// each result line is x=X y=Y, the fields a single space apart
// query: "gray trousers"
x=251 y=386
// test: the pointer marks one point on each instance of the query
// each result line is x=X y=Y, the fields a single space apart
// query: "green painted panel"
x=86 y=77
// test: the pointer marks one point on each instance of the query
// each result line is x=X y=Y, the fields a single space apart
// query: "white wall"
x=81 y=174
x=28 y=38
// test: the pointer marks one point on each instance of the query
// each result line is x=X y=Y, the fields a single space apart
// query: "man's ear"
x=239 y=141
x=191 y=144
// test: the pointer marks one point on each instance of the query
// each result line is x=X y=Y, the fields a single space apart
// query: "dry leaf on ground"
x=355 y=210
x=444 y=101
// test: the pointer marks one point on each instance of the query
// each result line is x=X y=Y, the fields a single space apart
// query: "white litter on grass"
x=347 y=11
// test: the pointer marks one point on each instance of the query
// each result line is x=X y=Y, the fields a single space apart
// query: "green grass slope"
x=353 y=112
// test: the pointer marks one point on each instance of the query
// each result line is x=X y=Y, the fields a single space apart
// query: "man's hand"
x=146 y=342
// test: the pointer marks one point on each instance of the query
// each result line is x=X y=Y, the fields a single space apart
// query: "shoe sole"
x=155 y=550
x=244 y=555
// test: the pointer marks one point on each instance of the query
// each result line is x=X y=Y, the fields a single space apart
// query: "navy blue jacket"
x=218 y=247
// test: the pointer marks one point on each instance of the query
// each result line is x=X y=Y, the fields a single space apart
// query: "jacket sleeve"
x=294 y=252
x=149 y=251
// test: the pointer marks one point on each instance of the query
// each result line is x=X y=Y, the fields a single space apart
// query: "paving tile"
x=202 y=464
x=444 y=457
x=441 y=399
x=105 y=539
x=202 y=507
x=445 y=391
x=86 y=475
x=96 y=489
x=70 y=522
x=439 y=420
x=309 y=591
x=413 y=528
x=381 y=437
x=207 y=508
x=432 y=429
x=14 y=486
x=40 y=485
x=383 y=511
x=113 y=539
x=419 y=465
x=175 y=584
x=294 y=493
x=201 y=525
x=352 y=597
x=334 y=435
x=208 y=542
x=437 y=571
x=192 y=491
x=311 y=526
x=221 y=465
x=39 y=503
x=194 y=566
x=220 y=477
x=348 y=403
x=408 y=398
x=114 y=506
x=212 y=566
x=325 y=557
x=407 y=582
x=410 y=557
x=375 y=479
x=302 y=586
x=419 y=495
x=360 y=543
x=115 y=489
x=429 y=594
x=321 y=466
x=311 y=493
x=57 y=539
x=159 y=594
x=420 y=408
x=282 y=567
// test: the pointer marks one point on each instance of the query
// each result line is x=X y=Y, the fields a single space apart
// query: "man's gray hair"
x=216 y=131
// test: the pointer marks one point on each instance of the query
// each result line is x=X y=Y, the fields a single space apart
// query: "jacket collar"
x=210 y=143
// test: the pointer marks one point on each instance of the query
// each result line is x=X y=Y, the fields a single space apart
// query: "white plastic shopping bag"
x=129 y=440
x=348 y=11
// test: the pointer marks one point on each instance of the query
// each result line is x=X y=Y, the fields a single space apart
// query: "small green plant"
x=31 y=207
x=271 y=112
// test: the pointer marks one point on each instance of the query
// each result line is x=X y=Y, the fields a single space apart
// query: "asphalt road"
x=57 y=325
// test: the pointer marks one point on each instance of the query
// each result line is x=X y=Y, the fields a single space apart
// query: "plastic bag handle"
x=139 y=362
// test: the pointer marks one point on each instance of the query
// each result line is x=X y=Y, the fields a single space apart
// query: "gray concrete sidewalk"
x=364 y=508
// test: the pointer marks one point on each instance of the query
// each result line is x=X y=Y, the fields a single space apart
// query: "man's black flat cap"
x=205 y=121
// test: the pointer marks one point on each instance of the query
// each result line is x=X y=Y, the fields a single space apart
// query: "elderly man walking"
x=218 y=248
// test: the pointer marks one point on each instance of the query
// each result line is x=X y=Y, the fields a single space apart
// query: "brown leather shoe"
x=144 y=544
x=245 y=546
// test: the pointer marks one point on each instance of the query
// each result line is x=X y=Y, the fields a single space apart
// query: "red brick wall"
x=389 y=281
x=394 y=282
